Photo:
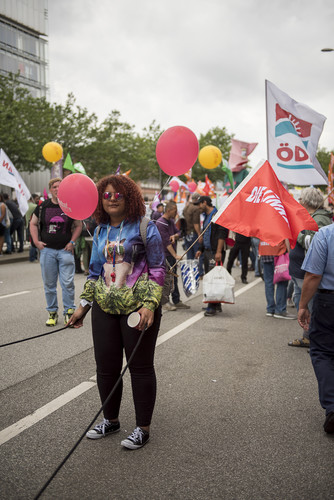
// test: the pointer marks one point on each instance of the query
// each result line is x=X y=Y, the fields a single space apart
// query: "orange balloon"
x=52 y=152
x=210 y=157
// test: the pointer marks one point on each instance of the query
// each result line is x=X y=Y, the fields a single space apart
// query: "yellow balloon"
x=210 y=157
x=52 y=151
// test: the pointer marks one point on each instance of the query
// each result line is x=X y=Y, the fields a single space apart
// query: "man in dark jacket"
x=242 y=244
x=17 y=223
x=212 y=245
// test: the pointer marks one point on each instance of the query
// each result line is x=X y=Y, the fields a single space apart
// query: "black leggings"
x=111 y=335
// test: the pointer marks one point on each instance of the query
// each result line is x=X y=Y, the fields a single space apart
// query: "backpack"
x=168 y=285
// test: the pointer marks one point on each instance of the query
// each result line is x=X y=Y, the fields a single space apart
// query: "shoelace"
x=102 y=426
x=137 y=434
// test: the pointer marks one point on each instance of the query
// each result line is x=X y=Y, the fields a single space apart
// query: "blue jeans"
x=281 y=290
x=255 y=249
x=322 y=347
x=8 y=239
x=188 y=241
x=56 y=263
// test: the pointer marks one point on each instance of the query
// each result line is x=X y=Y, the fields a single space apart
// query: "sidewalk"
x=15 y=256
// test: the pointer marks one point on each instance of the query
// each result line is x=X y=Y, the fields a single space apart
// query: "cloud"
x=199 y=63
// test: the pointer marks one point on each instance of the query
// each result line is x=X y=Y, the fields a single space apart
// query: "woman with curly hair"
x=125 y=275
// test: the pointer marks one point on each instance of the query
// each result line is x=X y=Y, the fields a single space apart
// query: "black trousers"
x=112 y=335
x=244 y=248
x=322 y=347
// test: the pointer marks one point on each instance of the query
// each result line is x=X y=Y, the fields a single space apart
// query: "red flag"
x=239 y=154
x=330 y=180
x=262 y=207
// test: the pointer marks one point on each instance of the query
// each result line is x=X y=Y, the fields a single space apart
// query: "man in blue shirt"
x=319 y=282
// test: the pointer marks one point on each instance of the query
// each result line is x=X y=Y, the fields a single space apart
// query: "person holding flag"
x=212 y=245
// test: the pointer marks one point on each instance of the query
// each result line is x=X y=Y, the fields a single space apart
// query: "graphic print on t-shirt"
x=54 y=220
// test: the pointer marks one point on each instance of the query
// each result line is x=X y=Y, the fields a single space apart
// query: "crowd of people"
x=125 y=274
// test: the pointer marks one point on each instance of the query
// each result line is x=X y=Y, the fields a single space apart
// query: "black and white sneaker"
x=103 y=429
x=136 y=440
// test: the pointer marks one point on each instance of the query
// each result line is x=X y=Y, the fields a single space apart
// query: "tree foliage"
x=27 y=123
x=324 y=157
x=222 y=140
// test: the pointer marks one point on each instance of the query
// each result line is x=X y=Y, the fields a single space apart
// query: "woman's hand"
x=76 y=320
x=146 y=319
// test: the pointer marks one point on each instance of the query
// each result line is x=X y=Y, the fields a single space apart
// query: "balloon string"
x=157 y=196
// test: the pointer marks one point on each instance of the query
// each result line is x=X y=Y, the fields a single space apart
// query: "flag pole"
x=207 y=227
x=266 y=97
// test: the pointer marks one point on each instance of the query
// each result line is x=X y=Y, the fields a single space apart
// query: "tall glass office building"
x=23 y=46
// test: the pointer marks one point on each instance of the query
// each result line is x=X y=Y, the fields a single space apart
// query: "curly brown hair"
x=134 y=202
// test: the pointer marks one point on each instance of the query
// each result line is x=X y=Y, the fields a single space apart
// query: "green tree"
x=324 y=158
x=27 y=123
x=219 y=137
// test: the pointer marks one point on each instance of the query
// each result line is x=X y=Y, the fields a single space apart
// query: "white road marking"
x=46 y=410
x=14 y=294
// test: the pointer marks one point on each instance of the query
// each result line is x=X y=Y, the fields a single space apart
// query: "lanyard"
x=115 y=249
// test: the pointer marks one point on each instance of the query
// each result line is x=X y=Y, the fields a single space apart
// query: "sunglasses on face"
x=117 y=196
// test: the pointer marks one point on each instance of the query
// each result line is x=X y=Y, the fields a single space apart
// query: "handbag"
x=218 y=286
x=230 y=241
x=190 y=276
x=281 y=270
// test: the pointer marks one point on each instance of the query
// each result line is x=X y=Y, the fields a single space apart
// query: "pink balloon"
x=78 y=196
x=177 y=150
x=174 y=185
x=192 y=186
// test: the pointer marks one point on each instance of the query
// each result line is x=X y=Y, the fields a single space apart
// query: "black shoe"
x=329 y=423
x=136 y=440
x=210 y=312
x=219 y=308
x=244 y=280
x=103 y=429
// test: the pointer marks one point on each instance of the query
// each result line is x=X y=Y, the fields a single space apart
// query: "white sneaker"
x=168 y=307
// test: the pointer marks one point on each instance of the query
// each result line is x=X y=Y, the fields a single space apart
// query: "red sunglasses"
x=117 y=196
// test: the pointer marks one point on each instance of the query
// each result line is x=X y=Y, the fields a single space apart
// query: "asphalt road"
x=237 y=413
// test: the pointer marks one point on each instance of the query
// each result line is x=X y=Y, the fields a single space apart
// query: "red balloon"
x=192 y=186
x=78 y=196
x=177 y=150
x=174 y=185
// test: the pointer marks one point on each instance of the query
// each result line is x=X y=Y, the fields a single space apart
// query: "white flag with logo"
x=293 y=131
x=9 y=176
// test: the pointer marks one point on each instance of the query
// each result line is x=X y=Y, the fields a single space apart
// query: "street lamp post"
x=327 y=50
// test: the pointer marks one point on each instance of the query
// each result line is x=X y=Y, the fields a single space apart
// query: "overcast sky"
x=197 y=63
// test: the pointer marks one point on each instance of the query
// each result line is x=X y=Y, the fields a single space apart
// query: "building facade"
x=23 y=43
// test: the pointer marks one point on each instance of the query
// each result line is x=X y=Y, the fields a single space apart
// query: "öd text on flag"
x=293 y=131
x=262 y=207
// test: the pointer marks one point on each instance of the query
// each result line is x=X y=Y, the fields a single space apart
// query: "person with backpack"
x=126 y=275
x=169 y=235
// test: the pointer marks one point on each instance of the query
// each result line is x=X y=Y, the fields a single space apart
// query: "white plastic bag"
x=190 y=276
x=218 y=286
